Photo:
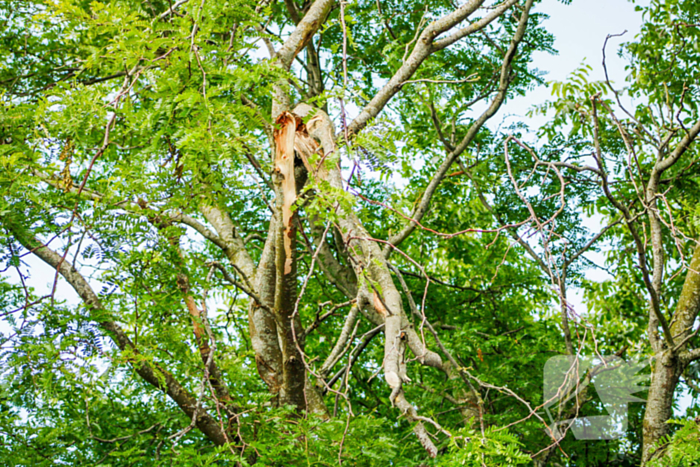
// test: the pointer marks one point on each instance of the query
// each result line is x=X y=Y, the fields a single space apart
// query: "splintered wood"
x=290 y=136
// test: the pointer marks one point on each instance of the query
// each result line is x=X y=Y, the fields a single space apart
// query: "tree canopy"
x=297 y=233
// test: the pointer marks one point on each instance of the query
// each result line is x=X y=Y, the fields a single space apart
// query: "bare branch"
x=422 y=206
x=305 y=30
x=171 y=10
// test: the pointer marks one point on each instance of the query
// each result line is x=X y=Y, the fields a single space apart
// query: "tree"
x=250 y=241
x=643 y=159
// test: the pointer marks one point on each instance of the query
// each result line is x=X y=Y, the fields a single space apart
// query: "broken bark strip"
x=152 y=373
x=284 y=166
x=291 y=139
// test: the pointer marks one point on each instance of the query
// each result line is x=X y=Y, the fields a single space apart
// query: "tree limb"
x=150 y=372
x=504 y=82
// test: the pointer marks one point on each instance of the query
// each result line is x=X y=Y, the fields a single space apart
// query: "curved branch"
x=305 y=30
x=504 y=82
x=426 y=46
x=152 y=373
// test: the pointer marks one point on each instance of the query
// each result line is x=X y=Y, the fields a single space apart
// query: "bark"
x=305 y=30
x=261 y=280
x=564 y=310
x=262 y=325
x=664 y=378
x=340 y=345
x=289 y=330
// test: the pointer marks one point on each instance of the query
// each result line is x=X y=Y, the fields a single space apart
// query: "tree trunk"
x=664 y=378
x=670 y=365
x=289 y=331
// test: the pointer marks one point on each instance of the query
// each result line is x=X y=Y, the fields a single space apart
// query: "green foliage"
x=493 y=448
x=119 y=118
x=680 y=449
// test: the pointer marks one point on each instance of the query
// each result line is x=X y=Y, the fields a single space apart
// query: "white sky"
x=580 y=30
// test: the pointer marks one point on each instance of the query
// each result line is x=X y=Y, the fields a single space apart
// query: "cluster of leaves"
x=680 y=449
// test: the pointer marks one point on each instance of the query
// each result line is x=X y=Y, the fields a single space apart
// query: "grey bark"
x=672 y=362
